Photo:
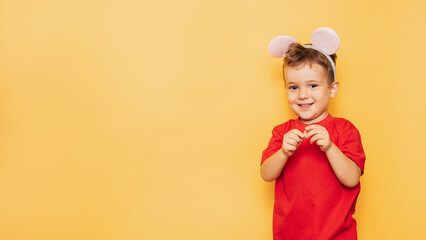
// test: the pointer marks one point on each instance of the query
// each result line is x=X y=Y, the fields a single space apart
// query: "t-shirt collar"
x=322 y=122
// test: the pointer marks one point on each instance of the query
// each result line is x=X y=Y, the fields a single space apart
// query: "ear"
x=334 y=88
x=278 y=46
x=326 y=40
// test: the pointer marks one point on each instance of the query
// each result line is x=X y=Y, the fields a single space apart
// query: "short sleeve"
x=350 y=144
x=275 y=143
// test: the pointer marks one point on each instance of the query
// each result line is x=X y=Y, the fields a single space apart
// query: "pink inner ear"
x=278 y=46
x=326 y=40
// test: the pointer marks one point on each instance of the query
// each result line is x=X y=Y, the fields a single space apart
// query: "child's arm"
x=346 y=170
x=273 y=166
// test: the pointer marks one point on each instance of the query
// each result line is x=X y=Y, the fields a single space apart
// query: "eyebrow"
x=309 y=81
x=315 y=81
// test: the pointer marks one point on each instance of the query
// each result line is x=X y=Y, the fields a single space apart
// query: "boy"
x=316 y=160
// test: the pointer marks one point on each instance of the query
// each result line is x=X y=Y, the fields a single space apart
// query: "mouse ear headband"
x=324 y=40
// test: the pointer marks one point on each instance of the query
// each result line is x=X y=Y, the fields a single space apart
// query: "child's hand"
x=319 y=135
x=291 y=141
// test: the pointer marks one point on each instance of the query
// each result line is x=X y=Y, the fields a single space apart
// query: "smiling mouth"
x=306 y=105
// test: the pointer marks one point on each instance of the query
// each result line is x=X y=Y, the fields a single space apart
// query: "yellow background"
x=146 y=119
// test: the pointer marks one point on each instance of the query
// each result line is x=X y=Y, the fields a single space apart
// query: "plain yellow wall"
x=146 y=119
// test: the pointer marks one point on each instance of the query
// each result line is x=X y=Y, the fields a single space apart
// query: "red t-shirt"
x=310 y=202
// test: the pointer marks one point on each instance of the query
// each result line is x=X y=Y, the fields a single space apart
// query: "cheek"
x=291 y=96
x=321 y=95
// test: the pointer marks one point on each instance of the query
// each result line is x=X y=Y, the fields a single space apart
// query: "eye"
x=292 y=87
x=314 y=85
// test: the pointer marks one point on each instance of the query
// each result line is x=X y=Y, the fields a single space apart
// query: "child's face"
x=309 y=91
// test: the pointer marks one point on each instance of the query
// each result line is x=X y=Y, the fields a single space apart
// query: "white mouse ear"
x=326 y=40
x=278 y=46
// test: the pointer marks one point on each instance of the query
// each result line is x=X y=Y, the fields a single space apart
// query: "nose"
x=303 y=93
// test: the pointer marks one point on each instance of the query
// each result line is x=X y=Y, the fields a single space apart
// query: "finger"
x=315 y=128
x=310 y=127
x=314 y=132
x=316 y=138
x=289 y=148
x=298 y=133
x=321 y=142
x=294 y=137
x=291 y=141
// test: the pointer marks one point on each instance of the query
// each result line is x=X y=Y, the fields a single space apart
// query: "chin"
x=305 y=118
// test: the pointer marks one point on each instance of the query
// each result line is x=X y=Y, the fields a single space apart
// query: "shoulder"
x=283 y=128
x=343 y=124
x=344 y=130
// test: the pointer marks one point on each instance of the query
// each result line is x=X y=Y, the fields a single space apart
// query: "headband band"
x=333 y=66
x=324 y=40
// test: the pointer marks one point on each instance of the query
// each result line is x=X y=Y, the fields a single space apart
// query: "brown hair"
x=297 y=55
